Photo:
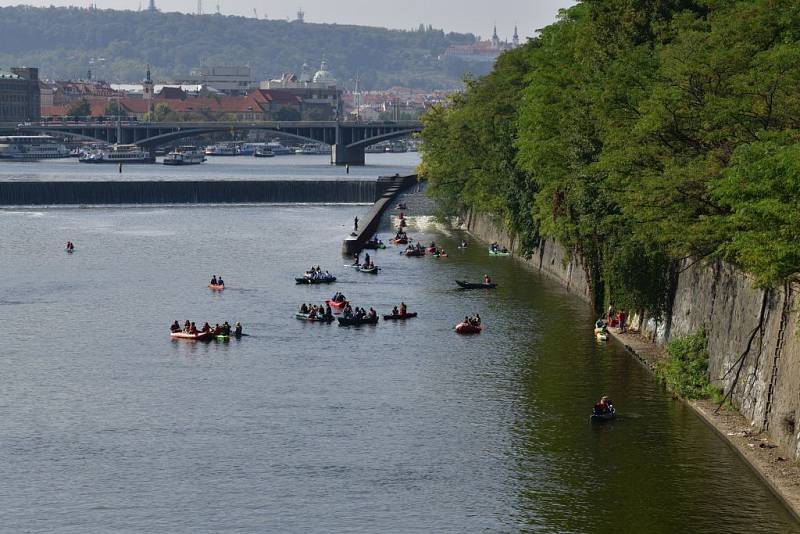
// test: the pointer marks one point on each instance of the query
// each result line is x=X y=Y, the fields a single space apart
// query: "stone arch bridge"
x=347 y=139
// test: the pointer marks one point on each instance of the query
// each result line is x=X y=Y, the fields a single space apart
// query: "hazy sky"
x=476 y=16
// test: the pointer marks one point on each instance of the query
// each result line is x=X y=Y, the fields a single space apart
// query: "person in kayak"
x=70 y=246
x=175 y=327
x=220 y=281
x=372 y=313
x=603 y=406
x=403 y=309
x=366 y=260
x=193 y=328
x=486 y=279
x=238 y=329
x=206 y=327
x=226 y=328
x=213 y=280
x=217 y=330
x=395 y=313
x=304 y=309
x=328 y=313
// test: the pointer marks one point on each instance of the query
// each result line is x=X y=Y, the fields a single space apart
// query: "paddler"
x=206 y=327
x=238 y=329
x=214 y=280
x=486 y=279
x=175 y=327
x=220 y=281
x=403 y=309
x=226 y=328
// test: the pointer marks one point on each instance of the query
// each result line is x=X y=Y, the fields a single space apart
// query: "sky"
x=475 y=16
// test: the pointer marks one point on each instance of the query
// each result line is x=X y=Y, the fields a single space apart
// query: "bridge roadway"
x=347 y=139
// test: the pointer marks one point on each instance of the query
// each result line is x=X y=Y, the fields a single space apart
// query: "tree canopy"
x=639 y=133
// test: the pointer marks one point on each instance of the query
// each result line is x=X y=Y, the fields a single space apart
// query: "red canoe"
x=466 y=328
x=200 y=336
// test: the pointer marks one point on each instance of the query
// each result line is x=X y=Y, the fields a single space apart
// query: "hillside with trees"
x=65 y=42
x=638 y=133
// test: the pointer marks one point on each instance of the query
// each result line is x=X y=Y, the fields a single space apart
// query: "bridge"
x=347 y=139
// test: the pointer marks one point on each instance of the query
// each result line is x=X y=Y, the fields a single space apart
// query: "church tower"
x=495 y=38
x=147 y=86
x=516 y=37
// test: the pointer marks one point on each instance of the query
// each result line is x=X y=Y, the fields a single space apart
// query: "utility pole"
x=358 y=99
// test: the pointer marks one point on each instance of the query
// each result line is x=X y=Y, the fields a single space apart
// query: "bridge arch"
x=363 y=143
x=157 y=140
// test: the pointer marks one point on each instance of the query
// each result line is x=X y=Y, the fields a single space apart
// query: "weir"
x=190 y=192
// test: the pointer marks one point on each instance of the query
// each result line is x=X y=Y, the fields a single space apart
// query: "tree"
x=79 y=109
x=161 y=112
x=114 y=109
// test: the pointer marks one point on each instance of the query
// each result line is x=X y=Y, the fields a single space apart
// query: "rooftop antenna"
x=301 y=15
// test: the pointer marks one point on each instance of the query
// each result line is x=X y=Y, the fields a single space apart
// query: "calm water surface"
x=109 y=426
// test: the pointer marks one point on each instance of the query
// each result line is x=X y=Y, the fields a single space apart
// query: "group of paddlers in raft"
x=312 y=311
x=316 y=273
x=224 y=329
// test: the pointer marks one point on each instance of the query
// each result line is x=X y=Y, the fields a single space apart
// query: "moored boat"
x=185 y=155
x=118 y=154
x=399 y=317
x=31 y=148
x=471 y=285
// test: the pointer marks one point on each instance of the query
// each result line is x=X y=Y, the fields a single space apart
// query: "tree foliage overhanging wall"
x=638 y=132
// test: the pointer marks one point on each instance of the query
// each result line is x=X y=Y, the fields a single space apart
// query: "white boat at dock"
x=118 y=154
x=31 y=148
x=185 y=155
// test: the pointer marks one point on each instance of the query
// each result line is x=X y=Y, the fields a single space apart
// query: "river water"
x=109 y=426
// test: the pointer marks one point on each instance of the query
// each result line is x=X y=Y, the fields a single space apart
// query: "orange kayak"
x=215 y=287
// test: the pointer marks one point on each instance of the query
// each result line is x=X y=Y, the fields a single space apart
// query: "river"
x=108 y=425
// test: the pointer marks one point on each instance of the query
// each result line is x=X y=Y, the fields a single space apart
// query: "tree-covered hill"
x=65 y=42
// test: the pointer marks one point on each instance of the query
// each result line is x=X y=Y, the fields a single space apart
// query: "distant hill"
x=65 y=42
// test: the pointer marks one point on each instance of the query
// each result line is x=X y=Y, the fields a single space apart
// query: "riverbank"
x=772 y=464
x=733 y=297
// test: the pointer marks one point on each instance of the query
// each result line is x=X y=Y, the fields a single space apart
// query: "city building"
x=481 y=51
x=20 y=95
x=235 y=80
x=321 y=98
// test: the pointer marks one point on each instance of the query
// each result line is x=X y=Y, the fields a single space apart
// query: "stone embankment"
x=191 y=192
x=391 y=187
x=753 y=347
